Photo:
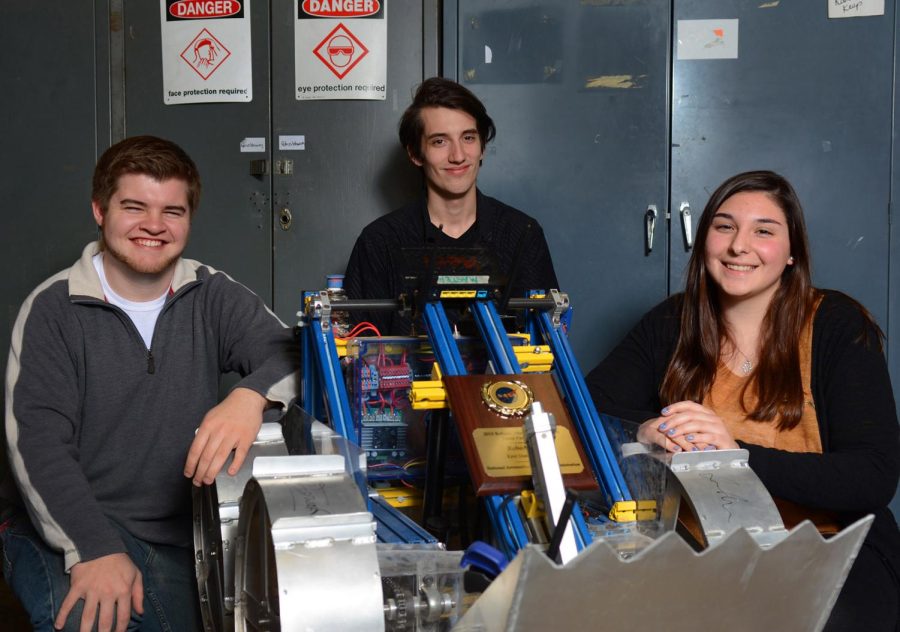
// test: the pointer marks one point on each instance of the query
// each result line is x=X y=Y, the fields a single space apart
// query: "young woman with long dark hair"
x=751 y=355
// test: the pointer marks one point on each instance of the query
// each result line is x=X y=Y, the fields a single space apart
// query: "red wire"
x=364 y=325
x=361 y=327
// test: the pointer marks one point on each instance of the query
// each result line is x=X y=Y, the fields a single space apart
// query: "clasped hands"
x=687 y=427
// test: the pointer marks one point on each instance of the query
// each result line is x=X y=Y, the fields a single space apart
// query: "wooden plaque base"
x=494 y=443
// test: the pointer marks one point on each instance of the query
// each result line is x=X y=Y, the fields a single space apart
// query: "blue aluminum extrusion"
x=494 y=335
x=513 y=536
x=588 y=421
x=505 y=361
x=394 y=527
x=336 y=397
x=449 y=358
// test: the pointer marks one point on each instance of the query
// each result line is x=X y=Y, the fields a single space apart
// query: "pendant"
x=746 y=367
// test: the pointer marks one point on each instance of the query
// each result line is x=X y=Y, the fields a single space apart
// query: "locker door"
x=233 y=229
x=353 y=169
x=578 y=94
x=807 y=97
x=53 y=115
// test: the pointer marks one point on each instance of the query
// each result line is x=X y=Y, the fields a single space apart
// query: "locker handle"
x=685 y=209
x=650 y=226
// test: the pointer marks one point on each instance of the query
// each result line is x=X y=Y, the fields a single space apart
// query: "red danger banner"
x=307 y=9
x=203 y=9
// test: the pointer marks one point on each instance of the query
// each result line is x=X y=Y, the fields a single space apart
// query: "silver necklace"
x=746 y=365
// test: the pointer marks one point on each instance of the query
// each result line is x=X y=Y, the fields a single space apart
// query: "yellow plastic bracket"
x=427 y=395
x=458 y=293
x=429 y=405
x=534 y=359
x=631 y=510
x=401 y=496
x=532 y=507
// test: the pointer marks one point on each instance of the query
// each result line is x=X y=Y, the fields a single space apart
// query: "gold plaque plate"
x=503 y=452
x=489 y=412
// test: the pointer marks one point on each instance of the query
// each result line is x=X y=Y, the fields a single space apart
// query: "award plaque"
x=490 y=414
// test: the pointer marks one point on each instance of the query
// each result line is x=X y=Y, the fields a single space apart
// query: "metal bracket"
x=319 y=307
x=725 y=494
x=561 y=304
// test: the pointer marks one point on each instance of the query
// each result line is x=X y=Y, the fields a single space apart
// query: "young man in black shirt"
x=444 y=132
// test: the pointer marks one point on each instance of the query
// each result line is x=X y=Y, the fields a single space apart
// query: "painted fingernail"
x=677 y=448
x=695 y=449
x=665 y=411
x=709 y=447
x=662 y=426
x=671 y=432
x=690 y=437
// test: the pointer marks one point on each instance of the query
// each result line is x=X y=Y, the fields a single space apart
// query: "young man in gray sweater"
x=111 y=404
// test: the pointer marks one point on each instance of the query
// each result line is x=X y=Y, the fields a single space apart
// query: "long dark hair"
x=777 y=376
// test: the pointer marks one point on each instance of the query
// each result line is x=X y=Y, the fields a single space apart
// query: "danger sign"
x=206 y=51
x=340 y=48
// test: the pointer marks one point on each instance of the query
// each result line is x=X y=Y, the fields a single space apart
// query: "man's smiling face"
x=146 y=224
x=451 y=151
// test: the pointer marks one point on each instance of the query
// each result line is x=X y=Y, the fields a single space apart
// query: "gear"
x=396 y=602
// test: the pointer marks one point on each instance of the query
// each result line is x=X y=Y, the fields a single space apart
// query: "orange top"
x=725 y=399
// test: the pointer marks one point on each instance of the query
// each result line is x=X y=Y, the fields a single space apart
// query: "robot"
x=305 y=538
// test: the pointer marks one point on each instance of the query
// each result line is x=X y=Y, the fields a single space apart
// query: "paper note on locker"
x=854 y=8
x=707 y=39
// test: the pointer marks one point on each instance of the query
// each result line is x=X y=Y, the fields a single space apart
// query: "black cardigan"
x=857 y=472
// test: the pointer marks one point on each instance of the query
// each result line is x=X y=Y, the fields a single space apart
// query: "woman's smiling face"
x=748 y=247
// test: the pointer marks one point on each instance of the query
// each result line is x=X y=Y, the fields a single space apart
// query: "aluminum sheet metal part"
x=668 y=586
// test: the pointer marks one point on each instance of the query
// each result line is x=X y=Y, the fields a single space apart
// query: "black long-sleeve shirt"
x=375 y=270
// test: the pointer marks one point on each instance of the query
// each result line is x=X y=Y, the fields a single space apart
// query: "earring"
x=791 y=260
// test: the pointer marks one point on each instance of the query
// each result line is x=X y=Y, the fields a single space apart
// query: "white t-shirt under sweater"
x=142 y=313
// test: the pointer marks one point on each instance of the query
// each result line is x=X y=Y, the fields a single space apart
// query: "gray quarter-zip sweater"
x=98 y=426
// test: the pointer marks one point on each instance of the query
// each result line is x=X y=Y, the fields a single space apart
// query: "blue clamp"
x=484 y=558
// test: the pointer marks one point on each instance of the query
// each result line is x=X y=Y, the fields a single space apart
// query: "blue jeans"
x=36 y=575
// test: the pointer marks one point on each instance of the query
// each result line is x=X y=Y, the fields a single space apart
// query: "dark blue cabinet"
x=598 y=119
x=578 y=92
